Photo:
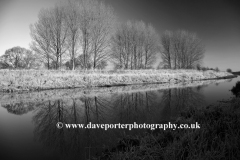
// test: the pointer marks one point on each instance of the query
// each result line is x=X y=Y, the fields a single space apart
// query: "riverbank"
x=236 y=73
x=218 y=137
x=46 y=95
x=32 y=80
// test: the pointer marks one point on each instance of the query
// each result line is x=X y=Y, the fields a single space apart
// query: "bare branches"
x=49 y=36
x=181 y=49
x=19 y=58
x=78 y=27
x=96 y=24
x=85 y=34
x=134 y=46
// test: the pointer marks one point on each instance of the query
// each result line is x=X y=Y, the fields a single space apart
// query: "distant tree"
x=198 y=67
x=204 y=68
x=181 y=49
x=3 y=65
x=217 y=69
x=31 y=60
x=229 y=70
x=18 y=58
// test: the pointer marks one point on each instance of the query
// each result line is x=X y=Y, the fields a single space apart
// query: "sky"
x=216 y=22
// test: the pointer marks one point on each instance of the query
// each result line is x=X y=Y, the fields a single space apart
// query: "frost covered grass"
x=29 y=80
x=46 y=95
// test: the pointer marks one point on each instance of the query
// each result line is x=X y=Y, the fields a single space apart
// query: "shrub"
x=236 y=89
x=229 y=70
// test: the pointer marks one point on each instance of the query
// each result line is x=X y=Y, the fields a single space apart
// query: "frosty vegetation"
x=31 y=80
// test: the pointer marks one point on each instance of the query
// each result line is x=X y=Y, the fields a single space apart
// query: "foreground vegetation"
x=218 y=137
x=30 y=80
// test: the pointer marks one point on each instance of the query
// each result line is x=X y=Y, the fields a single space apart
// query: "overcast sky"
x=217 y=22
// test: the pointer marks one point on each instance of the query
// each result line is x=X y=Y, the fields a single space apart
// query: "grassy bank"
x=218 y=137
x=29 y=80
x=46 y=95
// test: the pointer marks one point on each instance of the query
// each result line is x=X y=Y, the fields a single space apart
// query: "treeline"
x=86 y=34
x=76 y=33
x=19 y=58
x=181 y=49
x=134 y=46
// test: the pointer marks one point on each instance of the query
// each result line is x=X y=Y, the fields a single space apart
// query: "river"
x=28 y=121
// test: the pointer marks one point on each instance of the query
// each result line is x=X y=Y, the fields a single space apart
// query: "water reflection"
x=176 y=100
x=19 y=108
x=116 y=108
x=154 y=106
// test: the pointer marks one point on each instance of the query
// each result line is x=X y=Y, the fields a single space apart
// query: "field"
x=31 y=80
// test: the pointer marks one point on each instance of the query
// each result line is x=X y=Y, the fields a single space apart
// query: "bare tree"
x=13 y=58
x=72 y=20
x=31 y=60
x=50 y=35
x=151 y=46
x=58 y=33
x=18 y=57
x=86 y=19
x=40 y=33
x=82 y=28
x=134 y=46
x=181 y=49
x=166 y=49
x=102 y=30
x=96 y=24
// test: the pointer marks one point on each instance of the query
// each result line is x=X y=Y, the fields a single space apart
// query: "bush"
x=229 y=70
x=236 y=89
x=198 y=67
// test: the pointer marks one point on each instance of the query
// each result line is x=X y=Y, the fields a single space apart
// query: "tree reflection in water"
x=178 y=99
x=19 y=108
x=125 y=108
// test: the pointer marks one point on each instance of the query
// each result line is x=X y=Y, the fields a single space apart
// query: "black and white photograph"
x=119 y=79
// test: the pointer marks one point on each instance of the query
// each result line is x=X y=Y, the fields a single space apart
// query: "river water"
x=28 y=121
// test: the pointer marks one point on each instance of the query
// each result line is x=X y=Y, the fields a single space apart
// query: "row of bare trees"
x=18 y=58
x=77 y=32
x=134 y=46
x=86 y=34
x=181 y=49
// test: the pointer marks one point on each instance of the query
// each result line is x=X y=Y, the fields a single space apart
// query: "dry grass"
x=28 y=80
